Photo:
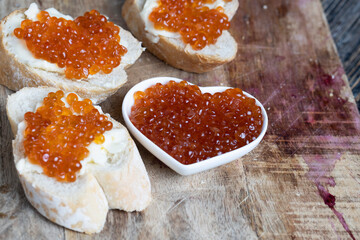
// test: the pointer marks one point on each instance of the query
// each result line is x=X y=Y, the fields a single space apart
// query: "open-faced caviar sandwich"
x=188 y=34
x=87 y=55
x=74 y=162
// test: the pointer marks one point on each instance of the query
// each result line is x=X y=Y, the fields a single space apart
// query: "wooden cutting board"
x=302 y=181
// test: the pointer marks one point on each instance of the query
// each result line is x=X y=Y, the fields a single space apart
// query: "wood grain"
x=344 y=22
x=282 y=189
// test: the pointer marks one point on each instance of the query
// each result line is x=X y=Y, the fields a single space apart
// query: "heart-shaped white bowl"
x=165 y=157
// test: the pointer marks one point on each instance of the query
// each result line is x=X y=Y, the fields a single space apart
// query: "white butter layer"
x=99 y=154
x=33 y=11
x=18 y=46
x=150 y=5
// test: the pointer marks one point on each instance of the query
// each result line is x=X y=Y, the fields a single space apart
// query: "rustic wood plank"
x=302 y=87
x=280 y=190
x=344 y=22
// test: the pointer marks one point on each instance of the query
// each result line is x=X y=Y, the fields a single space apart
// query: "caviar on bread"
x=74 y=162
x=87 y=55
x=192 y=35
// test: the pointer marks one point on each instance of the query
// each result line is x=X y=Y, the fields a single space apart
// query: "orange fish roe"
x=191 y=126
x=87 y=45
x=197 y=24
x=56 y=136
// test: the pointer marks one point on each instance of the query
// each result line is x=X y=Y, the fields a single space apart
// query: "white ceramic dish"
x=166 y=158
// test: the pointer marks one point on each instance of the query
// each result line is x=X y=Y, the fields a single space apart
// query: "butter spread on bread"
x=170 y=47
x=18 y=68
x=112 y=177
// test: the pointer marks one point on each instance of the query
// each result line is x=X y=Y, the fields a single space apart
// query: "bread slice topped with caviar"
x=87 y=55
x=189 y=35
x=74 y=162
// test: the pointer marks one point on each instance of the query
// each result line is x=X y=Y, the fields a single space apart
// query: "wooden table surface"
x=344 y=22
x=302 y=181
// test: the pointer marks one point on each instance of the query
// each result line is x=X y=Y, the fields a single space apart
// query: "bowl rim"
x=167 y=159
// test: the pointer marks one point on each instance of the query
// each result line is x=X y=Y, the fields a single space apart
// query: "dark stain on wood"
x=282 y=10
x=320 y=169
x=4 y=189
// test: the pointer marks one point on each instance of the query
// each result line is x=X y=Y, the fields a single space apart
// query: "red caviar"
x=191 y=126
x=197 y=24
x=56 y=136
x=87 y=45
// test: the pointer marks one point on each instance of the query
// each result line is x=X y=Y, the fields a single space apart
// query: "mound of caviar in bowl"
x=192 y=126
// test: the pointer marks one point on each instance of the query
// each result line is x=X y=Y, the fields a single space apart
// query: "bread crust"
x=85 y=211
x=174 y=51
x=82 y=205
x=131 y=173
x=16 y=75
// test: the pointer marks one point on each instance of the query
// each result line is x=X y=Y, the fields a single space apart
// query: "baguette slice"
x=16 y=73
x=121 y=183
x=173 y=50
